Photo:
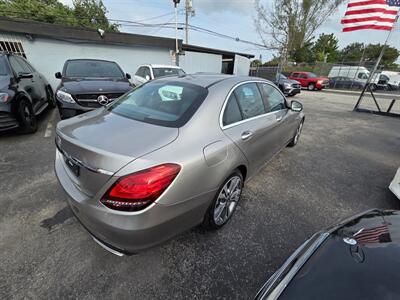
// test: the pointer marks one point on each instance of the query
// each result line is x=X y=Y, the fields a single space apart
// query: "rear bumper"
x=130 y=232
x=395 y=184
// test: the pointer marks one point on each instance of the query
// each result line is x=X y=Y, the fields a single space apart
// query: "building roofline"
x=60 y=32
x=195 y=48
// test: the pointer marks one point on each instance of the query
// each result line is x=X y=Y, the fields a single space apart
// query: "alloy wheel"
x=227 y=200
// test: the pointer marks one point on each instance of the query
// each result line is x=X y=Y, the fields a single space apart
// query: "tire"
x=311 y=87
x=219 y=214
x=296 y=137
x=27 y=118
x=51 y=100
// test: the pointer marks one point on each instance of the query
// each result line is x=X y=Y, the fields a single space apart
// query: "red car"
x=310 y=80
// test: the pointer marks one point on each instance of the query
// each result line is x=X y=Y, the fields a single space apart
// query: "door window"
x=273 y=97
x=232 y=112
x=303 y=76
x=27 y=67
x=250 y=101
x=16 y=66
x=146 y=72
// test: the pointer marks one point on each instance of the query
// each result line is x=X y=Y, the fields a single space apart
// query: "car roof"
x=162 y=66
x=89 y=59
x=208 y=80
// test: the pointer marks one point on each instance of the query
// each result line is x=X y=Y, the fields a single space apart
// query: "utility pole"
x=189 y=12
x=176 y=2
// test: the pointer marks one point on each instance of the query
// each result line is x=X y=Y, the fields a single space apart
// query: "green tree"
x=304 y=54
x=256 y=63
x=326 y=48
x=369 y=53
x=86 y=13
x=288 y=25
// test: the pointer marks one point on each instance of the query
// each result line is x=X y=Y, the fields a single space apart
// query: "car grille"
x=326 y=82
x=296 y=86
x=90 y=100
x=7 y=121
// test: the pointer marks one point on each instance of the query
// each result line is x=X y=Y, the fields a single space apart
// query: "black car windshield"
x=169 y=104
x=160 y=72
x=92 y=69
x=3 y=66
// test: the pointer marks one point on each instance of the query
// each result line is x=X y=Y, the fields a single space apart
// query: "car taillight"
x=138 y=190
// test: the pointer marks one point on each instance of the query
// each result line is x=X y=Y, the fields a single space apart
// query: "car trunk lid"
x=98 y=144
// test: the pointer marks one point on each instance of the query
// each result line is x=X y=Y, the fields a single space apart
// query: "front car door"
x=246 y=121
x=26 y=84
x=40 y=86
x=285 y=125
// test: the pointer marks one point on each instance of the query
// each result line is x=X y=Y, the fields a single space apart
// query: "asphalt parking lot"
x=342 y=165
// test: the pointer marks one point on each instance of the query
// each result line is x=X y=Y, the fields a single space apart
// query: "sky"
x=231 y=17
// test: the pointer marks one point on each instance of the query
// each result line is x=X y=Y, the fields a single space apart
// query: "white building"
x=48 y=46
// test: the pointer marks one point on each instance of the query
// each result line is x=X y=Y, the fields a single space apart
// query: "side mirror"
x=147 y=77
x=128 y=75
x=25 y=75
x=58 y=75
x=296 y=106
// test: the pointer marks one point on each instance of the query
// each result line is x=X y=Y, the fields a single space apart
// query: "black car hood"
x=86 y=86
x=358 y=260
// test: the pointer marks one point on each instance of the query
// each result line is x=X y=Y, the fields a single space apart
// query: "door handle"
x=278 y=119
x=246 y=135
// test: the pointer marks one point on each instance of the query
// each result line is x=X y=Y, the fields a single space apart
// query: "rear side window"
x=232 y=112
x=295 y=75
x=169 y=104
x=250 y=101
x=273 y=97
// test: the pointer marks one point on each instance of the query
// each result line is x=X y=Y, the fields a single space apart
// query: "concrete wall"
x=193 y=62
x=48 y=55
x=242 y=65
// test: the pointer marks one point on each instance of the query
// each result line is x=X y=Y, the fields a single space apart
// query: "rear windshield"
x=3 y=66
x=160 y=72
x=93 y=69
x=169 y=104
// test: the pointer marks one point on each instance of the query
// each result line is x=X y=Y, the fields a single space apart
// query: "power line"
x=140 y=24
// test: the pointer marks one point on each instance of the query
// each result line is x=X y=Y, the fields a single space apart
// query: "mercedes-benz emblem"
x=103 y=100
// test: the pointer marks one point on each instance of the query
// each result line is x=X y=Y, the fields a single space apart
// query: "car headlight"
x=320 y=81
x=65 y=97
x=4 y=97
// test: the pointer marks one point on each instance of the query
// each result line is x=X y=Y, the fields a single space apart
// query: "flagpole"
x=375 y=68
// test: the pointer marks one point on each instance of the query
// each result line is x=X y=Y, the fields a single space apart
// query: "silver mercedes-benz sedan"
x=171 y=154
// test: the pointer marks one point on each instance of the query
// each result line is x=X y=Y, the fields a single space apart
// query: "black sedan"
x=24 y=94
x=357 y=259
x=87 y=84
x=347 y=83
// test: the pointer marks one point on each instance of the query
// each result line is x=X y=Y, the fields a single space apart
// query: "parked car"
x=87 y=84
x=150 y=72
x=171 y=154
x=345 y=83
x=310 y=80
x=24 y=94
x=356 y=259
x=287 y=86
x=395 y=185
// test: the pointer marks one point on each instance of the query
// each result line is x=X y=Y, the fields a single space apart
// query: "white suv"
x=150 y=72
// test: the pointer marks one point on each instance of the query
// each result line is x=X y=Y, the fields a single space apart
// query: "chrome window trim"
x=221 y=115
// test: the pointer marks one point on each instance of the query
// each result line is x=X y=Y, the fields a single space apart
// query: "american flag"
x=370 y=14
x=372 y=235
